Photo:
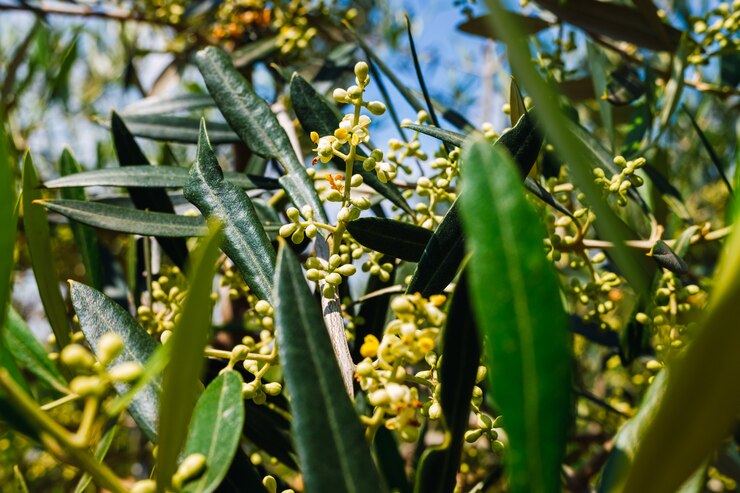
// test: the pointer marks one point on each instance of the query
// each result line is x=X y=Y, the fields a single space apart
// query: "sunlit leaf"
x=525 y=328
x=40 y=250
x=180 y=383
x=245 y=240
x=99 y=315
x=219 y=411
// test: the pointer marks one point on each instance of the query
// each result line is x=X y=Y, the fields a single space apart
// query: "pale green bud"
x=293 y=214
x=77 y=357
x=273 y=388
x=346 y=270
x=340 y=95
x=473 y=435
x=376 y=108
x=191 y=467
x=109 y=346
x=127 y=371
x=287 y=229
x=144 y=486
x=361 y=71
x=334 y=279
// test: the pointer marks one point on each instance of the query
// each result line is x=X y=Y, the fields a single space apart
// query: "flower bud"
x=287 y=229
x=364 y=368
x=361 y=71
x=109 y=346
x=273 y=388
x=368 y=164
x=473 y=435
x=87 y=386
x=354 y=92
x=311 y=231
x=127 y=371
x=77 y=357
x=376 y=108
x=270 y=484
x=356 y=180
x=340 y=95
x=293 y=214
x=334 y=279
x=144 y=486
x=191 y=467
x=297 y=237
x=346 y=270
x=435 y=411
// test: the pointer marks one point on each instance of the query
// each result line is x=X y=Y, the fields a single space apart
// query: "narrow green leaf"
x=702 y=382
x=716 y=160
x=479 y=26
x=134 y=221
x=315 y=115
x=85 y=237
x=168 y=128
x=327 y=430
x=98 y=315
x=38 y=238
x=447 y=136
x=439 y=465
x=517 y=108
x=125 y=220
x=147 y=199
x=8 y=220
x=526 y=328
x=254 y=51
x=390 y=462
x=29 y=352
x=157 y=105
x=614 y=20
x=20 y=482
x=218 y=413
x=252 y=119
x=442 y=256
x=668 y=259
x=180 y=383
x=147 y=176
x=395 y=238
x=245 y=240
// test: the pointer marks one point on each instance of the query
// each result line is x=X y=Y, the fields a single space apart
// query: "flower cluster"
x=620 y=183
x=94 y=379
x=331 y=272
x=716 y=32
x=167 y=295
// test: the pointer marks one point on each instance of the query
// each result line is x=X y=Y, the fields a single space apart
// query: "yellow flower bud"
x=77 y=357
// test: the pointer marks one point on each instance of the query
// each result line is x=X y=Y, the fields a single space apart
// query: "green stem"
x=100 y=473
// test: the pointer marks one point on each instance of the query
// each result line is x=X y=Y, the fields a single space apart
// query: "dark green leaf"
x=38 y=239
x=526 y=328
x=327 y=430
x=716 y=160
x=390 y=462
x=85 y=237
x=523 y=142
x=146 y=199
x=461 y=346
x=517 y=108
x=613 y=20
x=729 y=69
x=125 y=220
x=180 y=383
x=395 y=238
x=446 y=136
x=29 y=352
x=254 y=51
x=667 y=258
x=624 y=86
x=147 y=176
x=220 y=411
x=157 y=105
x=480 y=26
x=441 y=258
x=252 y=119
x=684 y=240
x=245 y=240
x=316 y=115
x=170 y=128
x=99 y=315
